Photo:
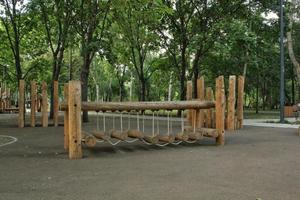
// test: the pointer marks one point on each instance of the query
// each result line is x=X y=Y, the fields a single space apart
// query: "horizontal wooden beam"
x=151 y=105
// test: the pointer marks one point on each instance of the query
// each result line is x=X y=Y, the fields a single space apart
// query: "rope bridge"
x=135 y=112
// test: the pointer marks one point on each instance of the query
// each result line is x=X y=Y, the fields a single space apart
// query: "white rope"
x=97 y=120
x=143 y=121
x=168 y=123
x=162 y=145
x=145 y=142
x=131 y=141
x=191 y=142
x=153 y=124
x=138 y=120
x=121 y=121
x=112 y=143
x=114 y=122
x=104 y=127
x=10 y=142
x=176 y=143
x=128 y=120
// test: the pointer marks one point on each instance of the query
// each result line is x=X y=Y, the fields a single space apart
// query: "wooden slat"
x=240 y=102
x=66 y=119
x=74 y=102
x=209 y=112
x=33 y=96
x=21 y=104
x=55 y=103
x=231 y=103
x=220 y=110
x=200 y=97
x=189 y=96
x=44 y=105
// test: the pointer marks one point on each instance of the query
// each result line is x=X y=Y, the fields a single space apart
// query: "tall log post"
x=74 y=106
x=220 y=110
x=55 y=103
x=66 y=119
x=21 y=104
x=240 y=102
x=231 y=103
x=209 y=112
x=44 y=105
x=201 y=97
x=189 y=96
x=33 y=95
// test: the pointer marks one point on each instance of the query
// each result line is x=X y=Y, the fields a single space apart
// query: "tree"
x=293 y=17
x=12 y=22
x=137 y=22
x=91 y=23
x=56 y=17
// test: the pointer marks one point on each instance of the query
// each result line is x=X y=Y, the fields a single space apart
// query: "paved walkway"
x=267 y=123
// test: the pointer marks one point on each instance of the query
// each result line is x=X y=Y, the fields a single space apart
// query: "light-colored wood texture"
x=240 y=102
x=189 y=96
x=33 y=95
x=220 y=110
x=209 y=112
x=21 y=104
x=200 y=97
x=66 y=119
x=44 y=105
x=55 y=103
x=126 y=106
x=74 y=108
x=231 y=104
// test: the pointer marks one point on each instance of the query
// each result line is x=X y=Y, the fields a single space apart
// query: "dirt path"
x=255 y=163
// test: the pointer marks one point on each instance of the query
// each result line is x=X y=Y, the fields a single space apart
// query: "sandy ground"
x=255 y=163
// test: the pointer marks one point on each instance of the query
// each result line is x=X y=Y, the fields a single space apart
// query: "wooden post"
x=74 y=108
x=220 y=110
x=201 y=97
x=21 y=103
x=209 y=112
x=55 y=103
x=189 y=96
x=240 y=103
x=44 y=105
x=231 y=103
x=33 y=103
x=66 y=119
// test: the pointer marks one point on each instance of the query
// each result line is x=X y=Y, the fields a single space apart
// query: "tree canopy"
x=148 y=49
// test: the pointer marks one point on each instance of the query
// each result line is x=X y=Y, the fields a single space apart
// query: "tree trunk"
x=196 y=71
x=84 y=76
x=292 y=56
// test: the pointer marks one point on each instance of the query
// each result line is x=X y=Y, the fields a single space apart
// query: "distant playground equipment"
x=37 y=102
x=5 y=100
x=206 y=117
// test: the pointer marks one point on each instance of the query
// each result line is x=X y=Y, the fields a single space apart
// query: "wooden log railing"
x=140 y=106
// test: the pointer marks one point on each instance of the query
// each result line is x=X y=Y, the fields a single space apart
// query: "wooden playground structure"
x=206 y=117
x=37 y=103
x=5 y=100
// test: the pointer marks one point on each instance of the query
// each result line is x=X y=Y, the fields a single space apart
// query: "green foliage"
x=151 y=44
